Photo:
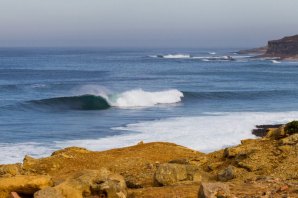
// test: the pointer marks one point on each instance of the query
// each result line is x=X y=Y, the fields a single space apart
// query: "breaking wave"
x=173 y=56
x=127 y=99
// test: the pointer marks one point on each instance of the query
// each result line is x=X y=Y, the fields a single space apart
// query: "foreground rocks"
x=265 y=167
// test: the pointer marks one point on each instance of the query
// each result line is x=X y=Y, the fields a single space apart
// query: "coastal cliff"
x=263 y=167
x=285 y=48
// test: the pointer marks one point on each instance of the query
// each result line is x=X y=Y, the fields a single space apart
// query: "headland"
x=285 y=49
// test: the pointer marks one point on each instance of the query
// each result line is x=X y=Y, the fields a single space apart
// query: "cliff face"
x=286 y=47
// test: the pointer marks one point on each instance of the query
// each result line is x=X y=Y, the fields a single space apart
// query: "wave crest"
x=141 y=98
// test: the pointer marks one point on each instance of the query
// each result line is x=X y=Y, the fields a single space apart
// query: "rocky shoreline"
x=283 y=49
x=263 y=167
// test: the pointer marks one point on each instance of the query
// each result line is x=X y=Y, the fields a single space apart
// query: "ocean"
x=204 y=99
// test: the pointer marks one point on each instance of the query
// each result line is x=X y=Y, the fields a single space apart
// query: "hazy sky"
x=148 y=23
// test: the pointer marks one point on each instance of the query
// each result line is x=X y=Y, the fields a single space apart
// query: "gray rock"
x=226 y=174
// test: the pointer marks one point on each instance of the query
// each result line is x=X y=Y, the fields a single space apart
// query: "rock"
x=214 y=166
x=231 y=152
x=238 y=152
x=24 y=184
x=276 y=133
x=10 y=170
x=101 y=183
x=214 y=190
x=285 y=148
x=48 y=193
x=291 y=140
x=284 y=48
x=14 y=195
x=70 y=150
x=169 y=174
x=248 y=166
x=262 y=130
x=260 y=50
x=226 y=174
x=180 y=161
x=29 y=161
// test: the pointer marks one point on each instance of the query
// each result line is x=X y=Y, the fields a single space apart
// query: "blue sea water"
x=205 y=99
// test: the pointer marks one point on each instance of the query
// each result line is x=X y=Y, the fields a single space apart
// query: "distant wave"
x=174 y=56
x=275 y=61
x=127 y=99
x=203 y=58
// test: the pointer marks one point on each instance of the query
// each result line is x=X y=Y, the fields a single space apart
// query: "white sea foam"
x=212 y=53
x=275 y=61
x=133 y=98
x=204 y=133
x=141 y=98
x=176 y=56
x=13 y=153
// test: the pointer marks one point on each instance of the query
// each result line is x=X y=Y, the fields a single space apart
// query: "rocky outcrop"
x=260 y=50
x=87 y=183
x=264 y=167
x=23 y=184
x=286 y=47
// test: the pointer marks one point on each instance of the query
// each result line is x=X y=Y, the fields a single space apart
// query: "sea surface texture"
x=105 y=98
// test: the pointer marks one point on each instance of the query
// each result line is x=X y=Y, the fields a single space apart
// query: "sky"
x=145 y=23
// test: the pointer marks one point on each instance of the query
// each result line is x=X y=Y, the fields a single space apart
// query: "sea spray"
x=141 y=98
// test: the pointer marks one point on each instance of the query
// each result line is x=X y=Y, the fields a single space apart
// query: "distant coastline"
x=284 y=49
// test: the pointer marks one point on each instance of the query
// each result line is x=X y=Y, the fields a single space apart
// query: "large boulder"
x=23 y=184
x=86 y=183
x=171 y=174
